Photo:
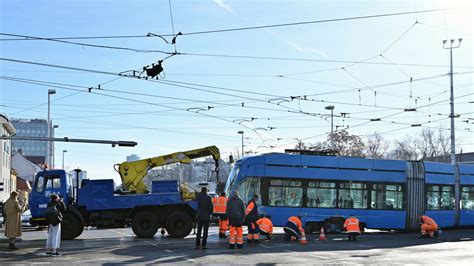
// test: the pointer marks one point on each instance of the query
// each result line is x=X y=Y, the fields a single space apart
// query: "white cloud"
x=291 y=44
x=223 y=5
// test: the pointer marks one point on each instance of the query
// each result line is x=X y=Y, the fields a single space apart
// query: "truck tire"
x=71 y=226
x=145 y=224
x=179 y=224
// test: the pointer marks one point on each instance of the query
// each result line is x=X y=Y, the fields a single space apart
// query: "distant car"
x=25 y=219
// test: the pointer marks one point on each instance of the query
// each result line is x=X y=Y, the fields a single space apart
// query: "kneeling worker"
x=352 y=227
x=265 y=227
x=294 y=229
x=428 y=227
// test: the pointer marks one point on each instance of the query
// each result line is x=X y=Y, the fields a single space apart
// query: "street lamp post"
x=451 y=98
x=53 y=158
x=50 y=92
x=331 y=107
x=242 y=133
x=64 y=151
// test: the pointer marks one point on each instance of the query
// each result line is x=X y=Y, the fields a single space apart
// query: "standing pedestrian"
x=251 y=217
x=220 y=204
x=235 y=212
x=54 y=217
x=204 y=213
x=13 y=211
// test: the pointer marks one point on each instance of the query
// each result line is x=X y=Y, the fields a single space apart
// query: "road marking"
x=118 y=232
x=365 y=246
x=167 y=250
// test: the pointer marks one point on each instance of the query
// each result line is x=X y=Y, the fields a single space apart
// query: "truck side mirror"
x=231 y=159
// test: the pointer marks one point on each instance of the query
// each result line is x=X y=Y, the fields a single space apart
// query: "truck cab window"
x=53 y=182
x=40 y=184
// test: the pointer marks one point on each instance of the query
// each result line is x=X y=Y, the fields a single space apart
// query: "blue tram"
x=383 y=194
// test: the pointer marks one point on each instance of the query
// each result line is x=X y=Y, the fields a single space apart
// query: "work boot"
x=12 y=246
x=240 y=246
x=232 y=246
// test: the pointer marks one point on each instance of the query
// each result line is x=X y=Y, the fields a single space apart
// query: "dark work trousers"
x=202 y=224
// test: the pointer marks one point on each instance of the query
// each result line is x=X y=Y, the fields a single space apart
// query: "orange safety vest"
x=297 y=222
x=352 y=225
x=265 y=225
x=428 y=221
x=220 y=204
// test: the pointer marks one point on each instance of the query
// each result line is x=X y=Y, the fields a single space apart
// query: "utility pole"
x=331 y=107
x=49 y=160
x=242 y=133
x=451 y=98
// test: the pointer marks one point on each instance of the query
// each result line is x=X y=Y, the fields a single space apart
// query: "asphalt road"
x=114 y=246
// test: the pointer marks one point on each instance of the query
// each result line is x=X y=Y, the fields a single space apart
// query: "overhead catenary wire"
x=246 y=28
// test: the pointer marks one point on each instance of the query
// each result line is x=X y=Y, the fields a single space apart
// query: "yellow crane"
x=132 y=173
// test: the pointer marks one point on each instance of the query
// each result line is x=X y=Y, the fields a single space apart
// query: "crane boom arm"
x=132 y=173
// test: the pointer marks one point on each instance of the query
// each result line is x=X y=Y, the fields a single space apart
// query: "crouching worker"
x=235 y=212
x=429 y=228
x=294 y=230
x=352 y=227
x=265 y=227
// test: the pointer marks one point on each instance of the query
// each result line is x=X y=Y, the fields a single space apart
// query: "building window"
x=386 y=197
x=285 y=193
x=352 y=195
x=439 y=197
x=321 y=194
x=467 y=198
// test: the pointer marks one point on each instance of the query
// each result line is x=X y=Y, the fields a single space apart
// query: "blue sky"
x=163 y=125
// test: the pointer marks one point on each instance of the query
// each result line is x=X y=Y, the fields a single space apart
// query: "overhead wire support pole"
x=119 y=143
x=451 y=98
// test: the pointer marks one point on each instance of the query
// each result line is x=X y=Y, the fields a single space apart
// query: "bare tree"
x=405 y=150
x=376 y=147
x=346 y=144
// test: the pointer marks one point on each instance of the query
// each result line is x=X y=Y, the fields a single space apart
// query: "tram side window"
x=249 y=187
x=467 y=198
x=321 y=194
x=439 y=197
x=386 y=197
x=285 y=193
x=352 y=195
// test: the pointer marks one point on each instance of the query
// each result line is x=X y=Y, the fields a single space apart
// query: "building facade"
x=7 y=185
x=36 y=151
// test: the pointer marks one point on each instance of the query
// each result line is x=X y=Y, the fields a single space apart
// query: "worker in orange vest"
x=251 y=217
x=294 y=229
x=236 y=214
x=428 y=227
x=352 y=227
x=265 y=227
x=220 y=204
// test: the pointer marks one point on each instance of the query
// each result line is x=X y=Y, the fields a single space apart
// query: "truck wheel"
x=71 y=226
x=145 y=224
x=179 y=224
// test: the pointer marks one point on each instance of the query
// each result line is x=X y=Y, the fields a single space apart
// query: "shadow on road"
x=166 y=250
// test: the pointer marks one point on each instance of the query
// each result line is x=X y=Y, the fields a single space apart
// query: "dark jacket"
x=205 y=206
x=253 y=214
x=60 y=208
x=235 y=210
